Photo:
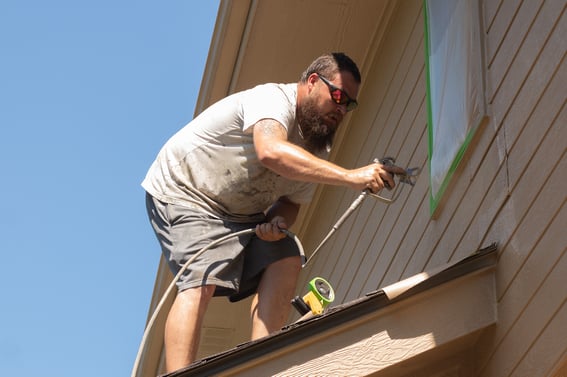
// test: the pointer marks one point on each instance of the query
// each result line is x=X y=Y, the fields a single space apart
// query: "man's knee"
x=197 y=296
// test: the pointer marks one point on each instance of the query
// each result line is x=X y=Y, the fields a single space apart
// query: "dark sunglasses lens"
x=338 y=96
x=342 y=99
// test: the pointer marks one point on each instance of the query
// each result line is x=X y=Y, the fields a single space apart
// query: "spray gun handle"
x=387 y=161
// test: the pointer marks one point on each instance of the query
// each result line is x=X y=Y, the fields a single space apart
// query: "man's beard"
x=317 y=135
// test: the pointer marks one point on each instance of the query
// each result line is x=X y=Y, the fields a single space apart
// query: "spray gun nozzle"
x=405 y=175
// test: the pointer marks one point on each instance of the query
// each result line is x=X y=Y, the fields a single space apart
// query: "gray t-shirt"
x=212 y=161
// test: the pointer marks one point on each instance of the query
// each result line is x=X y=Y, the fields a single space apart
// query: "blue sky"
x=89 y=92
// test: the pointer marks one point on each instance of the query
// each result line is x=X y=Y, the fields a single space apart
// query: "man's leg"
x=270 y=306
x=183 y=326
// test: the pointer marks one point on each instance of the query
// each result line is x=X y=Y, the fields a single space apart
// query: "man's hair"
x=329 y=65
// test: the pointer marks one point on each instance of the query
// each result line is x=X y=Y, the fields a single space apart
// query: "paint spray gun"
x=406 y=177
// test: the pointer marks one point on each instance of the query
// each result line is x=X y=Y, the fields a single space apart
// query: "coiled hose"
x=159 y=306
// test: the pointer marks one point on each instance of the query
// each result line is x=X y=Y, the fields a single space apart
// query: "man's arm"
x=294 y=162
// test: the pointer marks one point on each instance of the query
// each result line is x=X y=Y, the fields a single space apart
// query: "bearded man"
x=248 y=161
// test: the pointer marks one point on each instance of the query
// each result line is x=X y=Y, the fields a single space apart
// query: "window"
x=455 y=90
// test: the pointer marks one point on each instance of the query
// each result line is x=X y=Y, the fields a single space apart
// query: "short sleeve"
x=269 y=101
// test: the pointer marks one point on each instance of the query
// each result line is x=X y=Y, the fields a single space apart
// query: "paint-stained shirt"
x=212 y=161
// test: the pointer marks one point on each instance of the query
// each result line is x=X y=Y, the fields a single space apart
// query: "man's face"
x=319 y=114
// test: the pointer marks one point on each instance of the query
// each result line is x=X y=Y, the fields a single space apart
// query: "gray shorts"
x=235 y=266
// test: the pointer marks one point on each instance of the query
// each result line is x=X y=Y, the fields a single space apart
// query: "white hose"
x=153 y=318
x=354 y=205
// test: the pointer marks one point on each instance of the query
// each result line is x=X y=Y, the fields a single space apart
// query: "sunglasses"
x=339 y=96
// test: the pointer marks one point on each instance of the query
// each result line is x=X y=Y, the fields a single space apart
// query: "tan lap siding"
x=509 y=189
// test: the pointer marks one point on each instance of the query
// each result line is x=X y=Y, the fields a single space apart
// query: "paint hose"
x=169 y=289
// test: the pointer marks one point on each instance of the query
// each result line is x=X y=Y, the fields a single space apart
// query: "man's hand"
x=373 y=177
x=271 y=231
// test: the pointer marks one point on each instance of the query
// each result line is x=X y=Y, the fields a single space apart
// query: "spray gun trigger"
x=387 y=161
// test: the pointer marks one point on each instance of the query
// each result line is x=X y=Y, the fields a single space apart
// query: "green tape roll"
x=322 y=290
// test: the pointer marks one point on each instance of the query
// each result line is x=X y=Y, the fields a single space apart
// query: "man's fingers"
x=388 y=180
x=269 y=232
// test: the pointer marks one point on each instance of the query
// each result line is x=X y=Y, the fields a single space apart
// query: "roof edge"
x=336 y=316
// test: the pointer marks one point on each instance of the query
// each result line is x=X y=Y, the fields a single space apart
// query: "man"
x=248 y=161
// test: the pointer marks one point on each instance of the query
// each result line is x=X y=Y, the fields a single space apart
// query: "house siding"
x=509 y=189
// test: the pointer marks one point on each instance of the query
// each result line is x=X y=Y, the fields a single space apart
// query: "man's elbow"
x=269 y=156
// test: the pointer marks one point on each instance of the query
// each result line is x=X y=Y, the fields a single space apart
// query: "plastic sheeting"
x=455 y=85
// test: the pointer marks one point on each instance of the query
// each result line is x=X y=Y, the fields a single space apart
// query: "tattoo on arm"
x=271 y=128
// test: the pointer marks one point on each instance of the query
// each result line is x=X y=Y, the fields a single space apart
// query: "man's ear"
x=311 y=80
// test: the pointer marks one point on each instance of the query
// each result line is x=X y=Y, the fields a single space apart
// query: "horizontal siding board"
x=541 y=110
x=547 y=350
x=517 y=57
x=536 y=226
x=466 y=217
x=377 y=87
x=478 y=232
x=401 y=143
x=542 y=260
x=543 y=242
x=417 y=212
x=529 y=256
x=412 y=206
x=439 y=229
x=541 y=310
x=356 y=226
x=334 y=249
x=428 y=248
x=509 y=189
x=480 y=166
x=397 y=248
x=490 y=10
x=322 y=221
x=329 y=210
x=485 y=189
x=408 y=77
x=500 y=24
x=381 y=216
x=397 y=227
x=457 y=222
x=406 y=38
x=539 y=175
x=333 y=201
x=503 y=61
